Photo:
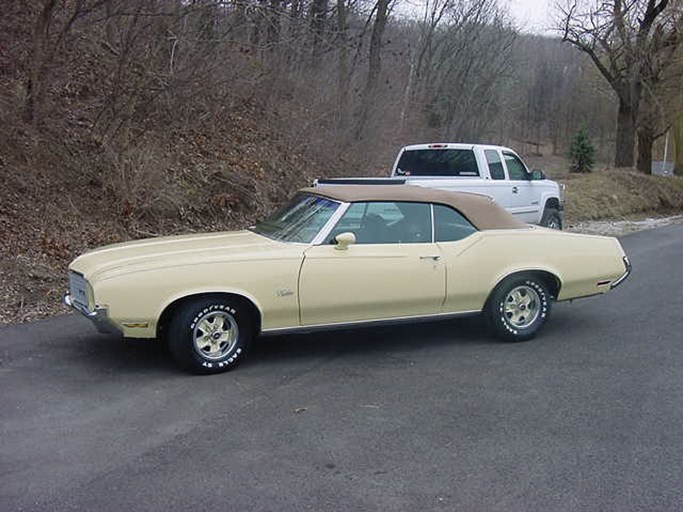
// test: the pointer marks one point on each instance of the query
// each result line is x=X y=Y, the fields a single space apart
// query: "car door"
x=523 y=204
x=468 y=275
x=393 y=270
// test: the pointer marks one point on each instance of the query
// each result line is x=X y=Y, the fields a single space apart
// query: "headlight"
x=81 y=291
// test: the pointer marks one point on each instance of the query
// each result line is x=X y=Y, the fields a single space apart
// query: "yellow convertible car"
x=340 y=255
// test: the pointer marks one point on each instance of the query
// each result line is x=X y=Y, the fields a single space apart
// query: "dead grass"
x=608 y=193
x=618 y=194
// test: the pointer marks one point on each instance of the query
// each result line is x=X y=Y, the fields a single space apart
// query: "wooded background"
x=124 y=119
x=244 y=100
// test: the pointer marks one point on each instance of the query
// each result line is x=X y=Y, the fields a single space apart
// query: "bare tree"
x=677 y=144
x=343 y=68
x=458 y=62
x=318 y=18
x=628 y=41
x=53 y=22
x=661 y=102
x=381 y=12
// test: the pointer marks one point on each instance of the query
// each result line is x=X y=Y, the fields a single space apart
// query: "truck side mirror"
x=537 y=174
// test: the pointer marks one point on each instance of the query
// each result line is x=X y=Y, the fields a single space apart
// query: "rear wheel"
x=518 y=307
x=210 y=335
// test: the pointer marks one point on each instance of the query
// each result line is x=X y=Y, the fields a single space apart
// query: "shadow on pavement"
x=113 y=353
x=369 y=340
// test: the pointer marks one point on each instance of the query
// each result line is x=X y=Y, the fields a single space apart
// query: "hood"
x=173 y=251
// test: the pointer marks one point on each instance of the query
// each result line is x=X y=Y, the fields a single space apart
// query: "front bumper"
x=627 y=272
x=99 y=317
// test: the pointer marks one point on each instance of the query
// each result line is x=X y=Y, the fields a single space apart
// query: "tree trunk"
x=626 y=134
x=677 y=146
x=375 y=65
x=344 y=72
x=318 y=14
x=274 y=31
x=407 y=94
x=34 y=85
x=646 y=139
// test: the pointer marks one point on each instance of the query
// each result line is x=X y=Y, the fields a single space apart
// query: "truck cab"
x=495 y=171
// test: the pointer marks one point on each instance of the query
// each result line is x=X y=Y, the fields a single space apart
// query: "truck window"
x=437 y=162
x=495 y=164
x=516 y=169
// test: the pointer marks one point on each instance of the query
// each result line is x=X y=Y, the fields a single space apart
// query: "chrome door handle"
x=515 y=190
x=435 y=258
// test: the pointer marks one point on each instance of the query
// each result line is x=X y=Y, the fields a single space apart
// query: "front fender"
x=141 y=297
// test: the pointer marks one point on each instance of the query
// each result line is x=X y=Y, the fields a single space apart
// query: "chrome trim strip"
x=359 y=181
x=330 y=224
x=367 y=323
x=572 y=299
x=627 y=272
x=431 y=209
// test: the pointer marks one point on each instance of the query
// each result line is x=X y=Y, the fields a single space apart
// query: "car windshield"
x=299 y=221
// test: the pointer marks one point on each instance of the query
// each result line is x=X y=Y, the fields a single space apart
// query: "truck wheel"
x=210 y=335
x=518 y=307
x=551 y=219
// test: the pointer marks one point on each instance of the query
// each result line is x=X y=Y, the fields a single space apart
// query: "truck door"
x=523 y=203
x=498 y=188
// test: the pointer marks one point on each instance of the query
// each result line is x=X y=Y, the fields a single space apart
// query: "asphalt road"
x=588 y=416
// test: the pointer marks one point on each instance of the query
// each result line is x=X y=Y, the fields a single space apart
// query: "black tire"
x=506 y=307
x=551 y=219
x=210 y=335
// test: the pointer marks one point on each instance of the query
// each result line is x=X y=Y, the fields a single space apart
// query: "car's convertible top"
x=480 y=210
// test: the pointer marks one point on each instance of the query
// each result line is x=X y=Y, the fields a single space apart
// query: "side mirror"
x=537 y=174
x=343 y=240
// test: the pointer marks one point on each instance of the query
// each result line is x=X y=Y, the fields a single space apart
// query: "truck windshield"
x=299 y=221
x=437 y=162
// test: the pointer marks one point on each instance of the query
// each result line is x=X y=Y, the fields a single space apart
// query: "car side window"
x=516 y=169
x=495 y=164
x=386 y=222
x=450 y=225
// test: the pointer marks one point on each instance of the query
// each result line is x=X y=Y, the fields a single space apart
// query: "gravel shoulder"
x=622 y=227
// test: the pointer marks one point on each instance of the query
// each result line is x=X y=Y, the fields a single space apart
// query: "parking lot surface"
x=588 y=416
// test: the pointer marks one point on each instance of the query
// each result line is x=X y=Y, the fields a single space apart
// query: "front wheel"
x=551 y=219
x=210 y=335
x=518 y=307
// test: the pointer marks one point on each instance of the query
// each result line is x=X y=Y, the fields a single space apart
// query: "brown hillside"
x=130 y=118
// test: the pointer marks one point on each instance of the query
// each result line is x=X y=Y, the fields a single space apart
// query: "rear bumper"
x=99 y=317
x=627 y=272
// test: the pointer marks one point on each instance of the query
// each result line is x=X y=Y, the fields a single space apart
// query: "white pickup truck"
x=495 y=171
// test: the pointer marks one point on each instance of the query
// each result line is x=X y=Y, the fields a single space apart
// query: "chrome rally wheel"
x=210 y=335
x=518 y=307
x=522 y=306
x=215 y=334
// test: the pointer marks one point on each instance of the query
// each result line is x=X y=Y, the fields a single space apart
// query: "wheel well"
x=551 y=280
x=170 y=310
x=553 y=202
